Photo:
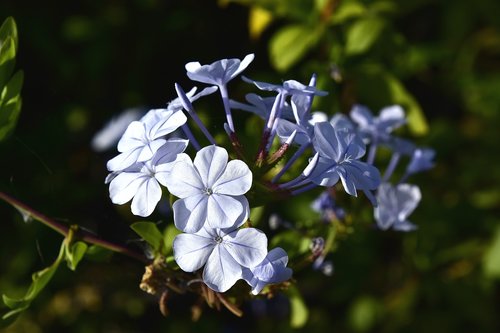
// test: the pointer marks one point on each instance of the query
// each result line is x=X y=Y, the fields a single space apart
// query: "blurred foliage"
x=86 y=61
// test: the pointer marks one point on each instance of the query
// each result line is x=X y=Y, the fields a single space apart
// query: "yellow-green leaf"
x=258 y=21
x=362 y=34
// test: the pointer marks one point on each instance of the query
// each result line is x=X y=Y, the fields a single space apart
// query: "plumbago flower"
x=141 y=180
x=339 y=152
x=143 y=138
x=211 y=207
x=210 y=190
x=395 y=204
x=224 y=252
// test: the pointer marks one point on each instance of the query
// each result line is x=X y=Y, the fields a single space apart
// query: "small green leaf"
x=13 y=88
x=7 y=61
x=75 y=253
x=150 y=233
x=299 y=312
x=491 y=257
x=98 y=253
x=290 y=44
x=414 y=114
x=40 y=280
x=168 y=237
x=347 y=10
x=8 y=29
x=8 y=118
x=362 y=34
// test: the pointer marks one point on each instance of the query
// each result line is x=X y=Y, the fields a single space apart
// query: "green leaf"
x=13 y=88
x=9 y=114
x=290 y=44
x=98 y=253
x=299 y=312
x=362 y=34
x=363 y=314
x=414 y=114
x=348 y=10
x=150 y=233
x=7 y=60
x=168 y=237
x=40 y=280
x=8 y=29
x=491 y=258
x=294 y=243
x=75 y=253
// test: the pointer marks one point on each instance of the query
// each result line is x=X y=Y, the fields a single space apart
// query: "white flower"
x=210 y=190
x=141 y=180
x=222 y=251
x=143 y=138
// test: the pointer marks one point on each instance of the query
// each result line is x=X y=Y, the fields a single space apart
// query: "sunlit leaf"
x=98 y=253
x=8 y=29
x=40 y=280
x=150 y=233
x=258 y=21
x=75 y=253
x=9 y=114
x=290 y=44
x=491 y=258
x=347 y=10
x=168 y=236
x=299 y=313
x=7 y=60
x=362 y=34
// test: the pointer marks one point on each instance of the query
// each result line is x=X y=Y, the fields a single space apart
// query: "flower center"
x=209 y=191
x=218 y=239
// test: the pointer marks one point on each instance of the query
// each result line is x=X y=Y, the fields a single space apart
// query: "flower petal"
x=221 y=270
x=408 y=196
x=147 y=197
x=124 y=186
x=224 y=211
x=184 y=180
x=165 y=122
x=236 y=179
x=192 y=251
x=247 y=246
x=190 y=213
x=325 y=141
x=210 y=162
x=134 y=137
x=149 y=149
x=123 y=160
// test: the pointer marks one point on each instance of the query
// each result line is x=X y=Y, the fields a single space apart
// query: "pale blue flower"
x=339 y=153
x=271 y=270
x=326 y=205
x=377 y=129
x=176 y=103
x=141 y=181
x=224 y=252
x=211 y=190
x=219 y=72
x=395 y=204
x=421 y=160
x=143 y=138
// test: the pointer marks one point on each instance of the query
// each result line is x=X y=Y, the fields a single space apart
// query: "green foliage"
x=71 y=252
x=491 y=258
x=10 y=86
x=150 y=233
x=362 y=34
x=299 y=312
x=290 y=44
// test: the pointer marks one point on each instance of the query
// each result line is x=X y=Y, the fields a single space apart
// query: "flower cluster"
x=213 y=189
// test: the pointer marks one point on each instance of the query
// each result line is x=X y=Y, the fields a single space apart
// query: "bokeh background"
x=86 y=61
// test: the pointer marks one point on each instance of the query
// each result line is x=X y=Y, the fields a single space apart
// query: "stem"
x=225 y=100
x=371 y=153
x=308 y=187
x=191 y=137
x=289 y=163
x=64 y=230
x=391 y=167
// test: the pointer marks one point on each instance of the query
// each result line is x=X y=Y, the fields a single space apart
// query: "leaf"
x=491 y=258
x=299 y=313
x=8 y=29
x=290 y=44
x=168 y=237
x=258 y=21
x=40 y=280
x=363 y=314
x=98 y=253
x=414 y=114
x=150 y=233
x=75 y=253
x=362 y=34
x=292 y=241
x=10 y=105
x=348 y=10
x=7 y=60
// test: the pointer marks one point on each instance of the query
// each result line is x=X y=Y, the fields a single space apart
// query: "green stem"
x=65 y=230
